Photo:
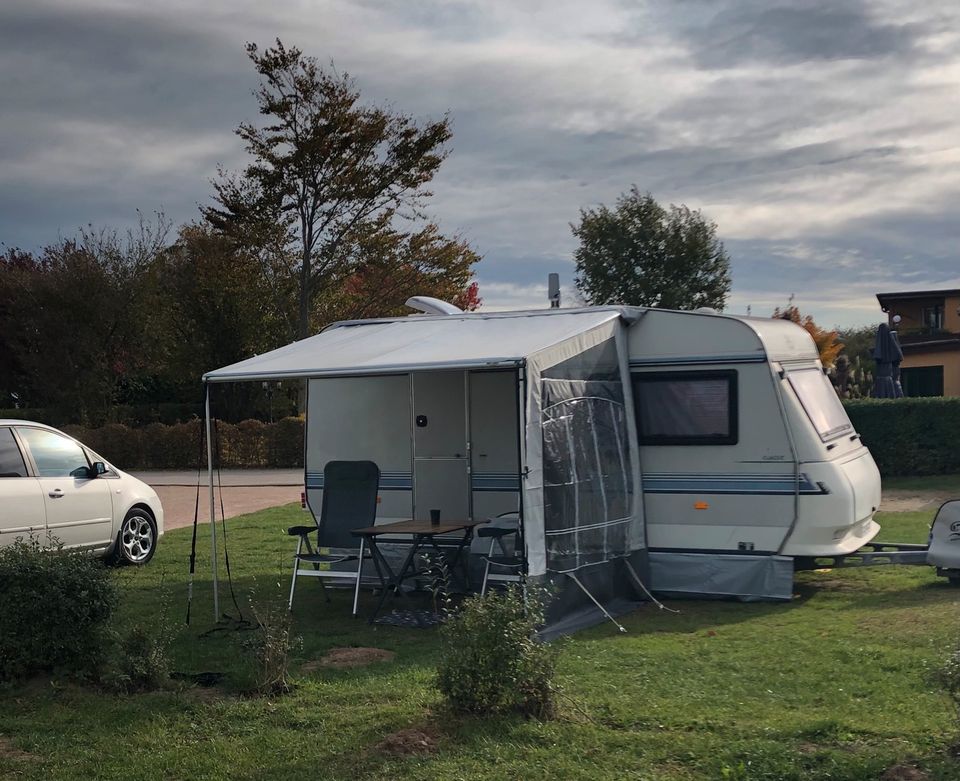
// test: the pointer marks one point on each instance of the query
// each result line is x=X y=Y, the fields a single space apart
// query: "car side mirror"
x=98 y=468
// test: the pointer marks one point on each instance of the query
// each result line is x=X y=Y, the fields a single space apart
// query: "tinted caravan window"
x=686 y=408
x=11 y=459
x=820 y=402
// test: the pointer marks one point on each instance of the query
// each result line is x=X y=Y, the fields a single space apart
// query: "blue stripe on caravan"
x=782 y=485
x=389 y=481
x=495 y=481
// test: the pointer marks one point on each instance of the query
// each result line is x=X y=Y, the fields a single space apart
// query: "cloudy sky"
x=822 y=137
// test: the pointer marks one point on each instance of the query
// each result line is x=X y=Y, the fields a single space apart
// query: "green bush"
x=270 y=646
x=491 y=660
x=139 y=661
x=54 y=609
x=910 y=436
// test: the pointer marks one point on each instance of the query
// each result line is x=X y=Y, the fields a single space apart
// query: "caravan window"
x=820 y=402
x=686 y=408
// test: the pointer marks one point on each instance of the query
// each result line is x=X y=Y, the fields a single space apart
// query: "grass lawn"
x=835 y=685
x=946 y=484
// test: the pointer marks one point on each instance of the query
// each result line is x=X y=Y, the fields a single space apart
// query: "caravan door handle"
x=56 y=493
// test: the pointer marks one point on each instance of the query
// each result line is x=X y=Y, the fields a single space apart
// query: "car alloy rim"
x=137 y=538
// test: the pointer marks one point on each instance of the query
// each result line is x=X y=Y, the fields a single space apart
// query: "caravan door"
x=441 y=479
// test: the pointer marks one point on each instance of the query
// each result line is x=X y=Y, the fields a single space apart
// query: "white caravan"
x=744 y=445
x=704 y=451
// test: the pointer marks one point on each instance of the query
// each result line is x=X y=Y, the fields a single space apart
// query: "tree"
x=641 y=254
x=827 y=343
x=79 y=320
x=219 y=308
x=391 y=267
x=323 y=166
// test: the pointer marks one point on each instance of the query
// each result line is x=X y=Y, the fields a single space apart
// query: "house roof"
x=907 y=295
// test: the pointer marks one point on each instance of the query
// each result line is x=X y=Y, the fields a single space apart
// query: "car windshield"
x=820 y=402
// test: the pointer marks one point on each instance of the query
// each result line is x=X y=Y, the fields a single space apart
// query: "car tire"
x=137 y=539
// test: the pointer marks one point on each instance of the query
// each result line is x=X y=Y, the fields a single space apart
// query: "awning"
x=419 y=342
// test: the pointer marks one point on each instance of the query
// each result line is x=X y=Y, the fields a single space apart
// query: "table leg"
x=396 y=580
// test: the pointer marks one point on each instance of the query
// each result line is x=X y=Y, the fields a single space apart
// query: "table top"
x=415 y=527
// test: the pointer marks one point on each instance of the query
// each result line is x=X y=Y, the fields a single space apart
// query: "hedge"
x=249 y=444
x=910 y=436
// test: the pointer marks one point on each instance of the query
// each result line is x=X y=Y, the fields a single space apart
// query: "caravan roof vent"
x=432 y=306
x=706 y=310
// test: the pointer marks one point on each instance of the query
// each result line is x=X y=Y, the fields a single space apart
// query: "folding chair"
x=349 y=502
x=498 y=530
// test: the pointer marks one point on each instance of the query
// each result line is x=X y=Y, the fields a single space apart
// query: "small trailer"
x=685 y=452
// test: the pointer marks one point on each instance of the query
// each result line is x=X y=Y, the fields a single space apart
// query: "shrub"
x=492 y=661
x=139 y=662
x=910 y=436
x=54 y=609
x=271 y=645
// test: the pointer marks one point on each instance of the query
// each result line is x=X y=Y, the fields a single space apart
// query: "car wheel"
x=137 y=539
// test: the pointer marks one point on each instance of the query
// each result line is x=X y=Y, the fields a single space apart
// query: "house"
x=929 y=332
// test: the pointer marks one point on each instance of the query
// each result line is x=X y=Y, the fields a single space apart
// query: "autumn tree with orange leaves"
x=828 y=345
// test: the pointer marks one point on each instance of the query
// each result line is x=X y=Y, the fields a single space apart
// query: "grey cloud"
x=730 y=33
x=794 y=34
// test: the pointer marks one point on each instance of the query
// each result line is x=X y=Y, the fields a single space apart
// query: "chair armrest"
x=296 y=531
x=494 y=531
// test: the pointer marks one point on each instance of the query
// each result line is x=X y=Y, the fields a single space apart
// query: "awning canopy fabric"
x=419 y=343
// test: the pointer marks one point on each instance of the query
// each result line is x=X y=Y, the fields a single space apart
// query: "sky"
x=823 y=138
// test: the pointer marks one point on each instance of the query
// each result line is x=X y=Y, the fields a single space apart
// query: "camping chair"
x=349 y=502
x=498 y=530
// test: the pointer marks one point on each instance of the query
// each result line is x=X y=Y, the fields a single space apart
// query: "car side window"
x=54 y=455
x=11 y=459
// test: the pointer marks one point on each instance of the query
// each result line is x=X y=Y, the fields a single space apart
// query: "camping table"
x=421 y=534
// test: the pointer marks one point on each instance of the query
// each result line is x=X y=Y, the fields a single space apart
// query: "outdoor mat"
x=417 y=618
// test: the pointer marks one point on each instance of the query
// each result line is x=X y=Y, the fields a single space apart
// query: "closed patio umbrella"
x=887 y=354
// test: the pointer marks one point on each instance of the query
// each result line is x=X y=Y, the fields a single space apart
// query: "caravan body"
x=745 y=449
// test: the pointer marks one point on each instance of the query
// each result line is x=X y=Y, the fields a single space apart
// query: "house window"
x=686 y=408
x=932 y=317
x=922 y=381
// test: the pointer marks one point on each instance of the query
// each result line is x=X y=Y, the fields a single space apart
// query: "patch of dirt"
x=204 y=694
x=835 y=584
x=342 y=658
x=899 y=501
x=904 y=772
x=407 y=742
x=9 y=751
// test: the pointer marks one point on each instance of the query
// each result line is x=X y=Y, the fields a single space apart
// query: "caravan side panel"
x=724 y=485
x=362 y=418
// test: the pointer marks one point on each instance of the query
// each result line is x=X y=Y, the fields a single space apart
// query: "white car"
x=55 y=489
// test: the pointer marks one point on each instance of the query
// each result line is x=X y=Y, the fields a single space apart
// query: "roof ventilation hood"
x=432 y=306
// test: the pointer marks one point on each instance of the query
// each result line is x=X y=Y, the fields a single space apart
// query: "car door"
x=79 y=509
x=22 y=511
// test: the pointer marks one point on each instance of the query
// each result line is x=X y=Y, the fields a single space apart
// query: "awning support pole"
x=603 y=610
x=213 y=520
